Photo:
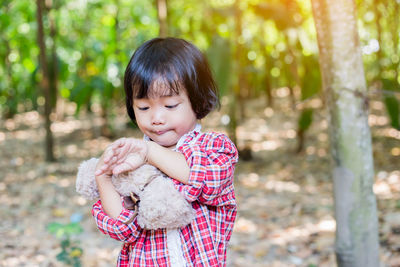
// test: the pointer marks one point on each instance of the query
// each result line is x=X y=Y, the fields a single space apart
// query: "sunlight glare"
x=316 y=103
x=9 y=124
x=266 y=145
x=394 y=178
x=71 y=149
x=252 y=55
x=268 y=112
x=310 y=150
x=393 y=133
x=225 y=119
x=328 y=225
x=282 y=92
x=245 y=226
x=66 y=126
x=371 y=47
x=280 y=186
x=395 y=151
x=80 y=200
x=251 y=180
x=290 y=134
x=24 y=135
x=64 y=182
x=323 y=137
x=381 y=188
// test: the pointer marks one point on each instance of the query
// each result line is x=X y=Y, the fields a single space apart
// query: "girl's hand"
x=102 y=168
x=127 y=154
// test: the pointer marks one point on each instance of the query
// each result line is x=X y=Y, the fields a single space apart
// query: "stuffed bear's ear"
x=85 y=179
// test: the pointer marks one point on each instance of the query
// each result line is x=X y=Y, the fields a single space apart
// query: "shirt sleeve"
x=212 y=164
x=117 y=228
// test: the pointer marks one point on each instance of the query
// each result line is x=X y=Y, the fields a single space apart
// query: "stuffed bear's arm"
x=85 y=179
x=118 y=228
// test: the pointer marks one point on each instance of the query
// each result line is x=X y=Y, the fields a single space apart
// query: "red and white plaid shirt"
x=212 y=158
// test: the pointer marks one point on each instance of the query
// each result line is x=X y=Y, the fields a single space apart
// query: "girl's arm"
x=120 y=228
x=111 y=217
x=172 y=163
x=212 y=162
x=110 y=198
x=127 y=154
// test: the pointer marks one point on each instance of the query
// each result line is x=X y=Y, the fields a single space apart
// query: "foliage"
x=392 y=106
x=71 y=251
x=305 y=119
x=391 y=102
x=94 y=39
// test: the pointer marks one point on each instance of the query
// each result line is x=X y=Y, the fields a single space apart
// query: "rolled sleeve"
x=212 y=163
x=118 y=228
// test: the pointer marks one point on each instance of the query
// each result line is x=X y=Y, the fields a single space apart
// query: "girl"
x=169 y=88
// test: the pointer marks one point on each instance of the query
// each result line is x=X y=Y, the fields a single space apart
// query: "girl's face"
x=164 y=117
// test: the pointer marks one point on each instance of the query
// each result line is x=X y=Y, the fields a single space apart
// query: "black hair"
x=180 y=65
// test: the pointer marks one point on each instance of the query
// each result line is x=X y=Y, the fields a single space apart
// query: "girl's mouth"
x=160 y=132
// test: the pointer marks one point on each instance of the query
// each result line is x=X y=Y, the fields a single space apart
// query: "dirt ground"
x=284 y=199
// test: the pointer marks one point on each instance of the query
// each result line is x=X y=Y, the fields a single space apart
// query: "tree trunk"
x=45 y=83
x=379 y=53
x=267 y=79
x=11 y=105
x=53 y=72
x=162 y=17
x=12 y=93
x=240 y=85
x=345 y=89
x=293 y=69
x=395 y=35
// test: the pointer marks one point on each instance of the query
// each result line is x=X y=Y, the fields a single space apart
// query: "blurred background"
x=62 y=101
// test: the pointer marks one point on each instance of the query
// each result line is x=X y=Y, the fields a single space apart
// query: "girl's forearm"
x=110 y=199
x=169 y=162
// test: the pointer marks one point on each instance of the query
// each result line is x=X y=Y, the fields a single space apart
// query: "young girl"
x=169 y=88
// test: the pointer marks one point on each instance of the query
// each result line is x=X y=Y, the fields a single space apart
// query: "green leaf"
x=73 y=228
x=311 y=80
x=390 y=85
x=65 y=244
x=54 y=227
x=392 y=107
x=305 y=119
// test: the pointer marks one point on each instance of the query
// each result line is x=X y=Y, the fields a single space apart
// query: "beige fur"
x=160 y=206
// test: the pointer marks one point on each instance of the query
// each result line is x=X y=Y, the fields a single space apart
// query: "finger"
x=119 y=169
x=124 y=167
x=104 y=168
x=112 y=160
x=122 y=152
x=108 y=154
x=120 y=142
x=99 y=172
x=112 y=163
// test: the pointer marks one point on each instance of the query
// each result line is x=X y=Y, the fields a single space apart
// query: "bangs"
x=156 y=84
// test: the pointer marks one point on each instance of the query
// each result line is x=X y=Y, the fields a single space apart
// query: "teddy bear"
x=146 y=190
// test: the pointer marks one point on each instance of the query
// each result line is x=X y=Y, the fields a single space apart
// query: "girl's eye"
x=171 y=106
x=143 y=108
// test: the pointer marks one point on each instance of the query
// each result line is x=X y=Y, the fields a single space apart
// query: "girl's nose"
x=157 y=118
